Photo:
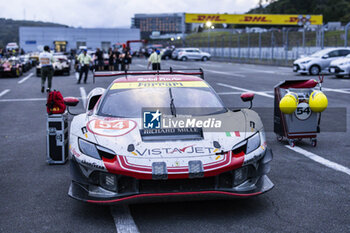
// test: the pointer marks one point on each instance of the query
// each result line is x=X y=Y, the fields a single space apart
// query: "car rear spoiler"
x=149 y=72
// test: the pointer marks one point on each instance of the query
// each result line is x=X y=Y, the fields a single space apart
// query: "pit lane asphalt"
x=308 y=196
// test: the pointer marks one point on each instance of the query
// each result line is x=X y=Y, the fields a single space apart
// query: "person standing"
x=127 y=58
x=85 y=60
x=117 y=59
x=110 y=59
x=154 y=59
x=99 y=57
x=46 y=59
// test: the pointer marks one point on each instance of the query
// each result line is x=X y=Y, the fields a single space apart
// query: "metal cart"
x=303 y=123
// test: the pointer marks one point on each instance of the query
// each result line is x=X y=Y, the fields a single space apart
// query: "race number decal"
x=303 y=111
x=110 y=127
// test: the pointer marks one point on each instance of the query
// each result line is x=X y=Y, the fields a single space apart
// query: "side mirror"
x=325 y=56
x=71 y=101
x=248 y=97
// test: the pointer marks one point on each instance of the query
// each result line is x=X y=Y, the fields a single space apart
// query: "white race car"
x=152 y=134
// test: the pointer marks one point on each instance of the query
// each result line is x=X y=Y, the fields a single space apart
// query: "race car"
x=61 y=66
x=11 y=67
x=164 y=134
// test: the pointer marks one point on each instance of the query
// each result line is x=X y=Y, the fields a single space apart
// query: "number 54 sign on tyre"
x=303 y=111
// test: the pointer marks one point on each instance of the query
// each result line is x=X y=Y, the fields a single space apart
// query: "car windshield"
x=193 y=101
x=319 y=53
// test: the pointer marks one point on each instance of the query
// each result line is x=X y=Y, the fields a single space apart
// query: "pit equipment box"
x=57 y=138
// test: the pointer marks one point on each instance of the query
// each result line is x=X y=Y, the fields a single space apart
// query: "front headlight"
x=95 y=151
x=88 y=148
x=305 y=62
x=253 y=143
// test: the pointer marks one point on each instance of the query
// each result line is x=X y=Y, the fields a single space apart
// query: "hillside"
x=332 y=10
x=9 y=29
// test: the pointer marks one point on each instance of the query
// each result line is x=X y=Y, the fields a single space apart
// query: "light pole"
x=209 y=26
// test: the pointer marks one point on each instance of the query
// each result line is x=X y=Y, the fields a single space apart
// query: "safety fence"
x=276 y=46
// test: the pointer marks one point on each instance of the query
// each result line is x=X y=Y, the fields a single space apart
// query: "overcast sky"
x=112 y=13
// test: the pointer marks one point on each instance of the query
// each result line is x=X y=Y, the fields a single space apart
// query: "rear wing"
x=149 y=72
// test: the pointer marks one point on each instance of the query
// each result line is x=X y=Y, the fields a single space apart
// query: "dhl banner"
x=255 y=19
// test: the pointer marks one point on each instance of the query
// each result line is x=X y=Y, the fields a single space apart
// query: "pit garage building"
x=63 y=39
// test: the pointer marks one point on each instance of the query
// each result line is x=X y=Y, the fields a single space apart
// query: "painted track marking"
x=123 y=219
x=336 y=90
x=83 y=95
x=320 y=160
x=25 y=79
x=245 y=90
x=4 y=92
x=226 y=73
x=24 y=100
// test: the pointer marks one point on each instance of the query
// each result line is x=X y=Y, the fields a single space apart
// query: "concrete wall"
x=34 y=38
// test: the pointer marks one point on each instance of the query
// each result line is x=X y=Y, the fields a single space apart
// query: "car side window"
x=344 y=52
x=334 y=53
x=196 y=51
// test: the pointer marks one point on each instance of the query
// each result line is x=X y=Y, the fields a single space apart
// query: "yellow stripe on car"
x=125 y=85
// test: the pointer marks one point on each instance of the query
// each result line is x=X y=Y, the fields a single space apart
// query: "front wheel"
x=184 y=59
x=315 y=70
x=205 y=59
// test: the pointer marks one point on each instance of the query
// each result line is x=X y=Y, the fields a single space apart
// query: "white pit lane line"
x=83 y=95
x=306 y=153
x=245 y=90
x=123 y=219
x=25 y=79
x=336 y=90
x=320 y=160
x=4 y=92
x=227 y=73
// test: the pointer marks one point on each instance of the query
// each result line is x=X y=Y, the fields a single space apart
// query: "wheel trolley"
x=303 y=122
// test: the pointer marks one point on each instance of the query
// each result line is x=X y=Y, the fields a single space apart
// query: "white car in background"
x=319 y=61
x=192 y=54
x=340 y=67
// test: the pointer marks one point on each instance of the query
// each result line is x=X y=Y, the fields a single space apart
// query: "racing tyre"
x=279 y=138
x=205 y=59
x=184 y=59
x=166 y=57
x=314 y=142
x=314 y=70
x=291 y=143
